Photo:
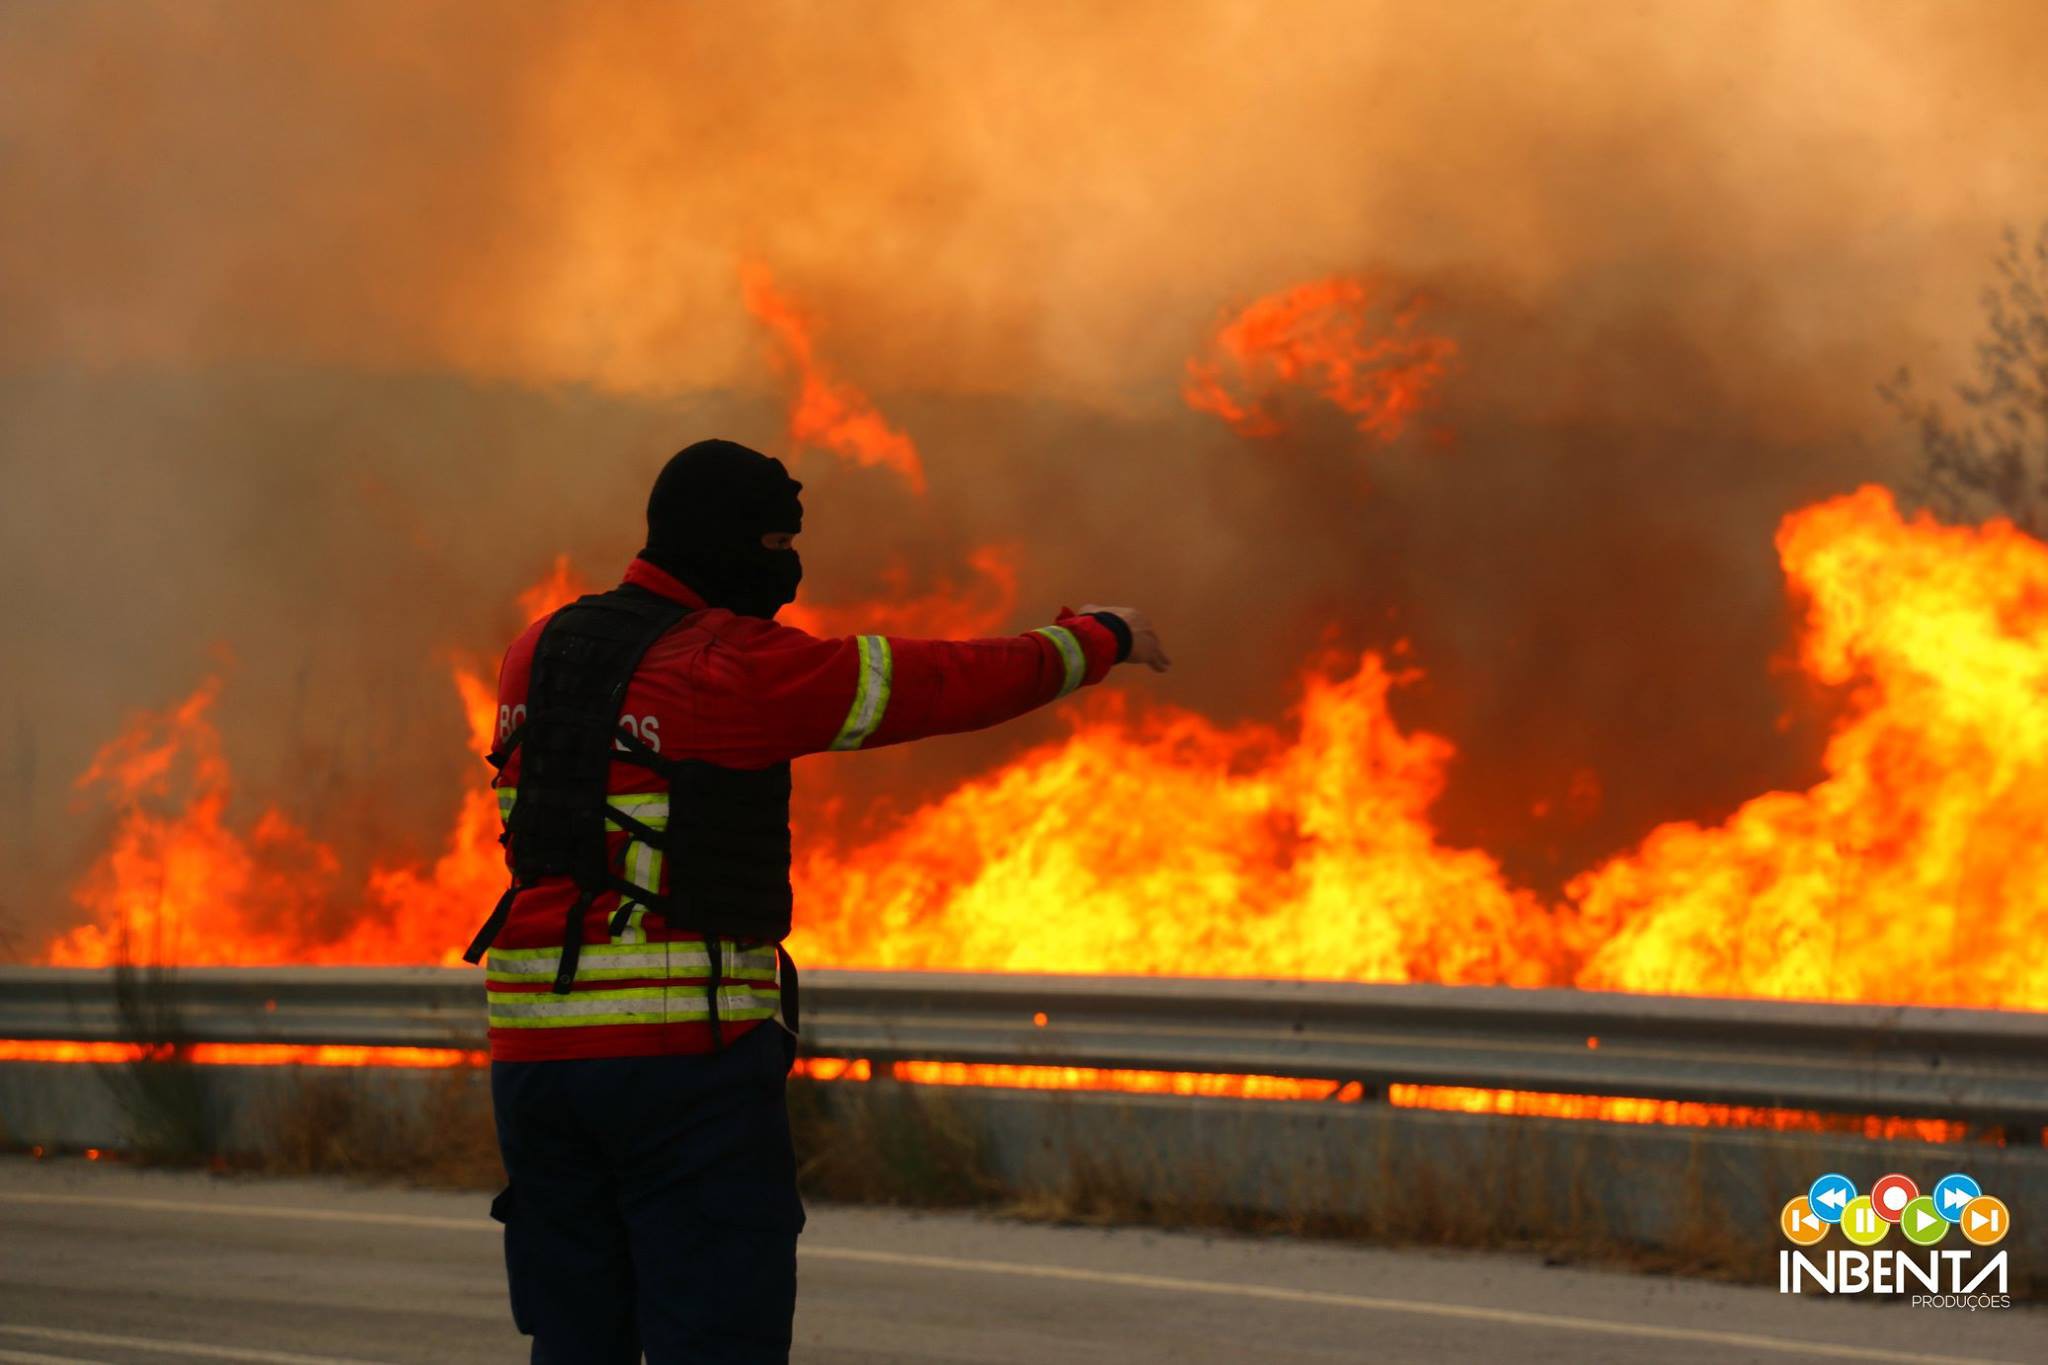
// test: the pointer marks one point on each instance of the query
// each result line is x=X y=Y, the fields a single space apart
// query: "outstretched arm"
x=789 y=693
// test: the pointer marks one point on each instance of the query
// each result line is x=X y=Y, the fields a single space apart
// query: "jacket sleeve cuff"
x=1118 y=628
x=1100 y=644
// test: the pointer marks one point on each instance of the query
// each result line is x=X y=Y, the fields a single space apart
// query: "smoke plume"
x=326 y=327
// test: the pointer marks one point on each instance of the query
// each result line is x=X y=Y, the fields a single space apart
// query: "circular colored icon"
x=1890 y=1195
x=1860 y=1223
x=1830 y=1195
x=1797 y=1221
x=1921 y=1223
x=1952 y=1193
x=1985 y=1220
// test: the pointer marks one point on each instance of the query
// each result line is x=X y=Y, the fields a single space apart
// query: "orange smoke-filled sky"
x=324 y=327
x=989 y=195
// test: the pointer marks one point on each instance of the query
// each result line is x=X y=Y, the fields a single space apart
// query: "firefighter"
x=642 y=1008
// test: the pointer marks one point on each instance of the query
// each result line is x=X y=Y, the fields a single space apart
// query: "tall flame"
x=1160 y=842
x=826 y=413
x=1337 y=337
x=414 y=909
x=1917 y=869
x=1156 y=841
x=186 y=886
x=1168 y=845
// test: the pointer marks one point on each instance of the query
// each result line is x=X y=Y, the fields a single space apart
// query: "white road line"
x=202 y=1350
x=394 y=1220
x=31 y=1358
x=1508 y=1316
x=1024 y=1270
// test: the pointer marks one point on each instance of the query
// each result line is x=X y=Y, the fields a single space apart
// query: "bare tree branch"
x=1992 y=457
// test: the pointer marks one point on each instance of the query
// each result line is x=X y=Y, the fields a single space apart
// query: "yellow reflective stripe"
x=870 y=693
x=649 y=808
x=1071 y=654
x=641 y=1005
x=584 y=1002
x=643 y=861
x=680 y=948
x=615 y=960
x=620 y=971
x=643 y=866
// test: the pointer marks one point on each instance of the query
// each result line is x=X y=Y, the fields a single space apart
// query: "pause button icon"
x=1861 y=1223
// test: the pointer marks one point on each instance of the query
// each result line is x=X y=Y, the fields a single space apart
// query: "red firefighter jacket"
x=743 y=693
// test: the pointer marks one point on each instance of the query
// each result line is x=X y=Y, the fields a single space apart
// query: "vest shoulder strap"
x=582 y=665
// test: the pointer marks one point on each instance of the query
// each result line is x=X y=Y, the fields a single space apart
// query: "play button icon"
x=1922 y=1223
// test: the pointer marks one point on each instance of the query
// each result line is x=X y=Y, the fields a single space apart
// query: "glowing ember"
x=1336 y=337
x=1015 y=1077
x=244 y=1054
x=999 y=1075
x=827 y=413
x=1685 y=1113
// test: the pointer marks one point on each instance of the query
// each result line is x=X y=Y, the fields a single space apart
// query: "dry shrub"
x=883 y=1143
x=431 y=1128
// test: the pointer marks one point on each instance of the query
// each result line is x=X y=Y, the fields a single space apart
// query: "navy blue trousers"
x=652 y=1205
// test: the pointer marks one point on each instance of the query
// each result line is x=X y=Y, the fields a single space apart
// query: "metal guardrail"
x=1978 y=1066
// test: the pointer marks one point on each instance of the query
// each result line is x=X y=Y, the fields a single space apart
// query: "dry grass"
x=429 y=1128
x=902 y=1145
x=907 y=1146
x=857 y=1144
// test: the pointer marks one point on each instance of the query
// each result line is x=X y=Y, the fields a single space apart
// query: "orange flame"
x=1163 y=843
x=1915 y=870
x=561 y=585
x=1003 y=1075
x=826 y=413
x=1208 y=1085
x=185 y=886
x=1335 y=337
x=1682 y=1113
x=243 y=1054
x=946 y=609
x=1168 y=845
x=414 y=911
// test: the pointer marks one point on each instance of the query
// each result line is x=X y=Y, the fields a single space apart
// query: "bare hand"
x=1145 y=647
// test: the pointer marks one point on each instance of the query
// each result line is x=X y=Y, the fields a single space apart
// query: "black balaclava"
x=710 y=507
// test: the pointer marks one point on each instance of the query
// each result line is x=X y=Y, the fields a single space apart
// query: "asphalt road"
x=102 y=1263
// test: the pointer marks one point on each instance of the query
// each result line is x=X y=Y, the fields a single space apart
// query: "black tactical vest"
x=726 y=842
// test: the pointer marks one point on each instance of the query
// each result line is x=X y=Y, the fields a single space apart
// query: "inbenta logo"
x=1957 y=1277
